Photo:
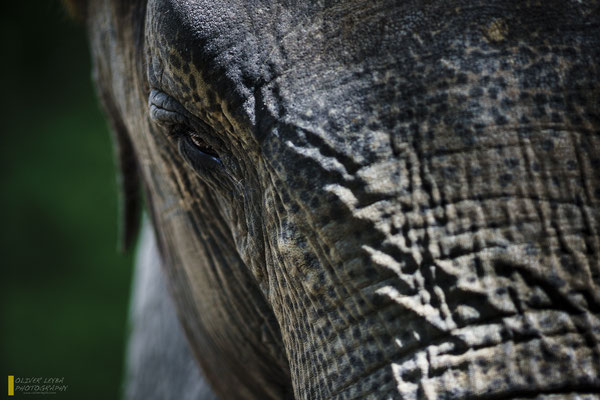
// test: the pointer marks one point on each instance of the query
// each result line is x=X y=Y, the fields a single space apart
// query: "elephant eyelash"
x=200 y=157
x=195 y=139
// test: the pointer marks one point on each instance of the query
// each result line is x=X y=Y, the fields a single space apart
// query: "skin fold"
x=368 y=199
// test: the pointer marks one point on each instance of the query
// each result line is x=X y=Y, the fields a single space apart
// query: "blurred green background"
x=64 y=287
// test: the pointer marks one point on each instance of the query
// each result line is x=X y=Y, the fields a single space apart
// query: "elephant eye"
x=170 y=114
x=203 y=147
x=197 y=153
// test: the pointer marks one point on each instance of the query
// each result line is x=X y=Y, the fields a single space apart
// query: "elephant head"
x=368 y=199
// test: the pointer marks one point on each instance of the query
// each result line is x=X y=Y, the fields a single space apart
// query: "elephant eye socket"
x=170 y=114
x=203 y=146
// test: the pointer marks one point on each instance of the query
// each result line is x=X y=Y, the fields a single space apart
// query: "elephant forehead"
x=227 y=54
x=355 y=77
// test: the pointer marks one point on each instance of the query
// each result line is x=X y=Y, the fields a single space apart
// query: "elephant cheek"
x=370 y=306
x=428 y=331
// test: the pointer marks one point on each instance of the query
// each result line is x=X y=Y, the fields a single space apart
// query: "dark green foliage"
x=64 y=287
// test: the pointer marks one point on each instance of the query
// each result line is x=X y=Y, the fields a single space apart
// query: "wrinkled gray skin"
x=369 y=199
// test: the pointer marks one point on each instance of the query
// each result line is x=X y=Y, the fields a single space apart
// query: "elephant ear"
x=128 y=177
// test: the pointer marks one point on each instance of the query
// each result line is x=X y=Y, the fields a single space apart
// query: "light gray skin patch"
x=160 y=363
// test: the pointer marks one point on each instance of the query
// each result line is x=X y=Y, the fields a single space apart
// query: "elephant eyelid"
x=164 y=110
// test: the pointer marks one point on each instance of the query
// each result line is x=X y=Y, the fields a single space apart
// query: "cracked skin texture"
x=407 y=200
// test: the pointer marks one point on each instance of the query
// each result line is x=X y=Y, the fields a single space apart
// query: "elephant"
x=366 y=199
